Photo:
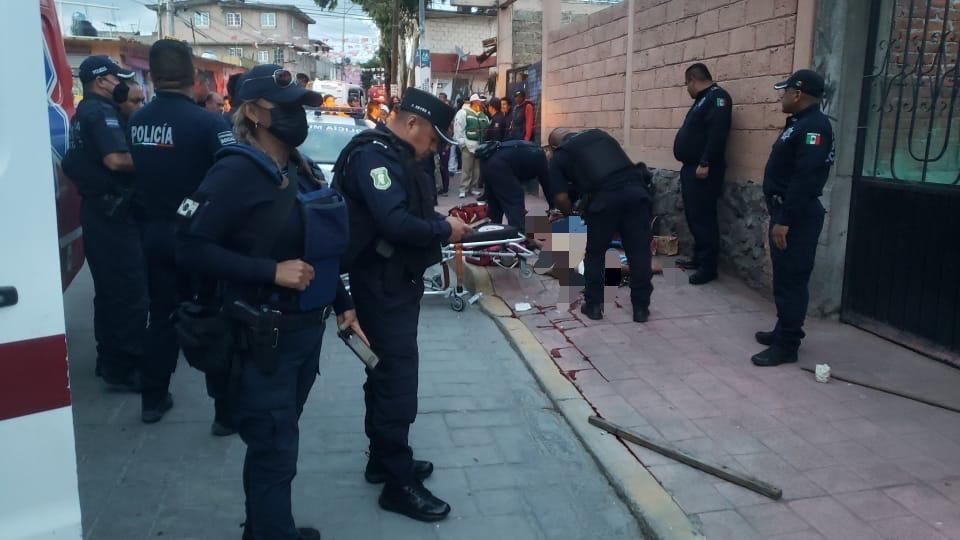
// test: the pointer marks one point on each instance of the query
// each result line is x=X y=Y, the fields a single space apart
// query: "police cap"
x=101 y=66
x=430 y=108
x=807 y=81
x=277 y=85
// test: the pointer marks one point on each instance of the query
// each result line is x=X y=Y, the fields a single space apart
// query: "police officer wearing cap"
x=613 y=198
x=793 y=181
x=266 y=229
x=173 y=144
x=505 y=166
x=701 y=145
x=100 y=165
x=395 y=236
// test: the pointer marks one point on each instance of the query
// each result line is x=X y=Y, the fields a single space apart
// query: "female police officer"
x=276 y=260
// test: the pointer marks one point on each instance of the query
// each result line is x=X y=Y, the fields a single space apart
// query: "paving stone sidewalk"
x=852 y=462
x=506 y=461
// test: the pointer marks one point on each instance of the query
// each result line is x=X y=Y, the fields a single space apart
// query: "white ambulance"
x=38 y=466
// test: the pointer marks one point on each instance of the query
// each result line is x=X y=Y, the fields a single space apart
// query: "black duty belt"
x=292 y=322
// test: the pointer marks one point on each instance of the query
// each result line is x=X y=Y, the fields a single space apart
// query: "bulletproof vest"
x=477 y=124
x=363 y=234
x=596 y=156
x=518 y=124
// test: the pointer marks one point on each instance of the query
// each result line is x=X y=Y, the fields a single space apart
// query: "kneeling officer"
x=614 y=199
x=395 y=236
x=503 y=167
x=264 y=227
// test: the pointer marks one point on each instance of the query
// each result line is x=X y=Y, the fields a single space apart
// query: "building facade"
x=888 y=259
x=262 y=33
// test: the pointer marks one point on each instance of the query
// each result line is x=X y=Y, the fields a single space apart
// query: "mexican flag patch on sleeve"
x=814 y=139
x=721 y=102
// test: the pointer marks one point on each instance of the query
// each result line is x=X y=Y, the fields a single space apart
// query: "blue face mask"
x=289 y=124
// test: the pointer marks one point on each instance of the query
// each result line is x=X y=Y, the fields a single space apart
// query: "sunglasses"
x=281 y=77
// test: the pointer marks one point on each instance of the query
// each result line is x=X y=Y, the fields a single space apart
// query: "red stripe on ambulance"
x=33 y=376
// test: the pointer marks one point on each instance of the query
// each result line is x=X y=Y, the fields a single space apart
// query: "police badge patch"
x=188 y=208
x=381 y=178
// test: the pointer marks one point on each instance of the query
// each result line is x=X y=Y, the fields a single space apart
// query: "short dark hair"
x=494 y=102
x=171 y=64
x=303 y=77
x=697 y=72
x=442 y=94
x=232 y=83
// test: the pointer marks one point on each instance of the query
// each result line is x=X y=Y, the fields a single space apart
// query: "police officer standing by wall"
x=99 y=163
x=174 y=142
x=395 y=236
x=701 y=145
x=505 y=168
x=793 y=181
x=614 y=198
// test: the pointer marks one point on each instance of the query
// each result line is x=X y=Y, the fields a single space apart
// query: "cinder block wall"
x=747 y=44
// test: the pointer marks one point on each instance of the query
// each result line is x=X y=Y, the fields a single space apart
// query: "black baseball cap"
x=430 y=108
x=101 y=66
x=806 y=80
x=276 y=84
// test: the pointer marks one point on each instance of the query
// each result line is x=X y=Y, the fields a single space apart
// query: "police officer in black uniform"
x=614 y=198
x=173 y=144
x=100 y=165
x=395 y=236
x=701 y=145
x=793 y=181
x=504 y=170
x=266 y=229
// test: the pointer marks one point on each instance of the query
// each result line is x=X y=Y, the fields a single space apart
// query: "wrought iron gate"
x=902 y=277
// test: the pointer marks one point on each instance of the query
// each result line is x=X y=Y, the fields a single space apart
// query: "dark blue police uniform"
x=223 y=223
x=110 y=236
x=614 y=199
x=793 y=181
x=395 y=236
x=174 y=143
x=504 y=171
x=702 y=141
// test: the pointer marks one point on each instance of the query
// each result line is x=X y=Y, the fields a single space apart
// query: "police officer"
x=510 y=164
x=395 y=236
x=132 y=103
x=793 y=181
x=100 y=165
x=257 y=226
x=174 y=142
x=701 y=145
x=614 y=198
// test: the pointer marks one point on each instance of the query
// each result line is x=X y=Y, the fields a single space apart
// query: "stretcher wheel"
x=457 y=303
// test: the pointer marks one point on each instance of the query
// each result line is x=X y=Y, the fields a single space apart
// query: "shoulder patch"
x=381 y=144
x=381 y=178
x=226 y=138
x=721 y=102
x=112 y=122
x=813 y=139
x=189 y=206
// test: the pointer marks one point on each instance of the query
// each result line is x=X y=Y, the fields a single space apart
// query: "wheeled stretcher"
x=503 y=244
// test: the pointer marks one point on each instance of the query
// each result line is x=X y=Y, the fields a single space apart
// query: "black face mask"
x=121 y=92
x=289 y=124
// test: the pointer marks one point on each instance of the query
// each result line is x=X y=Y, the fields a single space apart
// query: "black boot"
x=641 y=315
x=592 y=311
x=414 y=501
x=774 y=356
x=701 y=277
x=153 y=412
x=765 y=338
x=375 y=474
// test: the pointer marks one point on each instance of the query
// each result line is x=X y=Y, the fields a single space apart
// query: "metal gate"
x=902 y=277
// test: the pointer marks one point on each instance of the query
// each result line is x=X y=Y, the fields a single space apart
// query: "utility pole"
x=171 y=17
x=394 y=48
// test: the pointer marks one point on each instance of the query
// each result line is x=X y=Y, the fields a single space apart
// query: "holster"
x=258 y=335
x=117 y=204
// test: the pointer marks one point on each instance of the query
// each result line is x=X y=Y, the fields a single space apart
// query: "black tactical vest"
x=597 y=156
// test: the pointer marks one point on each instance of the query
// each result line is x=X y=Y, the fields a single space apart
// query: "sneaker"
x=462 y=195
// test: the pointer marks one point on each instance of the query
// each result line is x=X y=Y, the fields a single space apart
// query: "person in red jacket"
x=521 y=122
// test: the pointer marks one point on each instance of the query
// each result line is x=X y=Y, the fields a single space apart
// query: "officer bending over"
x=614 y=198
x=504 y=170
x=395 y=236
x=100 y=165
x=174 y=142
x=793 y=181
x=260 y=224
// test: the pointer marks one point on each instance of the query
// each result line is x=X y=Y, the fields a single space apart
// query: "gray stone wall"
x=744 y=250
x=527 y=37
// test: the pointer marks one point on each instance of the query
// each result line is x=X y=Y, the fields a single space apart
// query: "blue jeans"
x=266 y=413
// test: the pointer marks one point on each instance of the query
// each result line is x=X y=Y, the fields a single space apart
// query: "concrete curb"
x=660 y=517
